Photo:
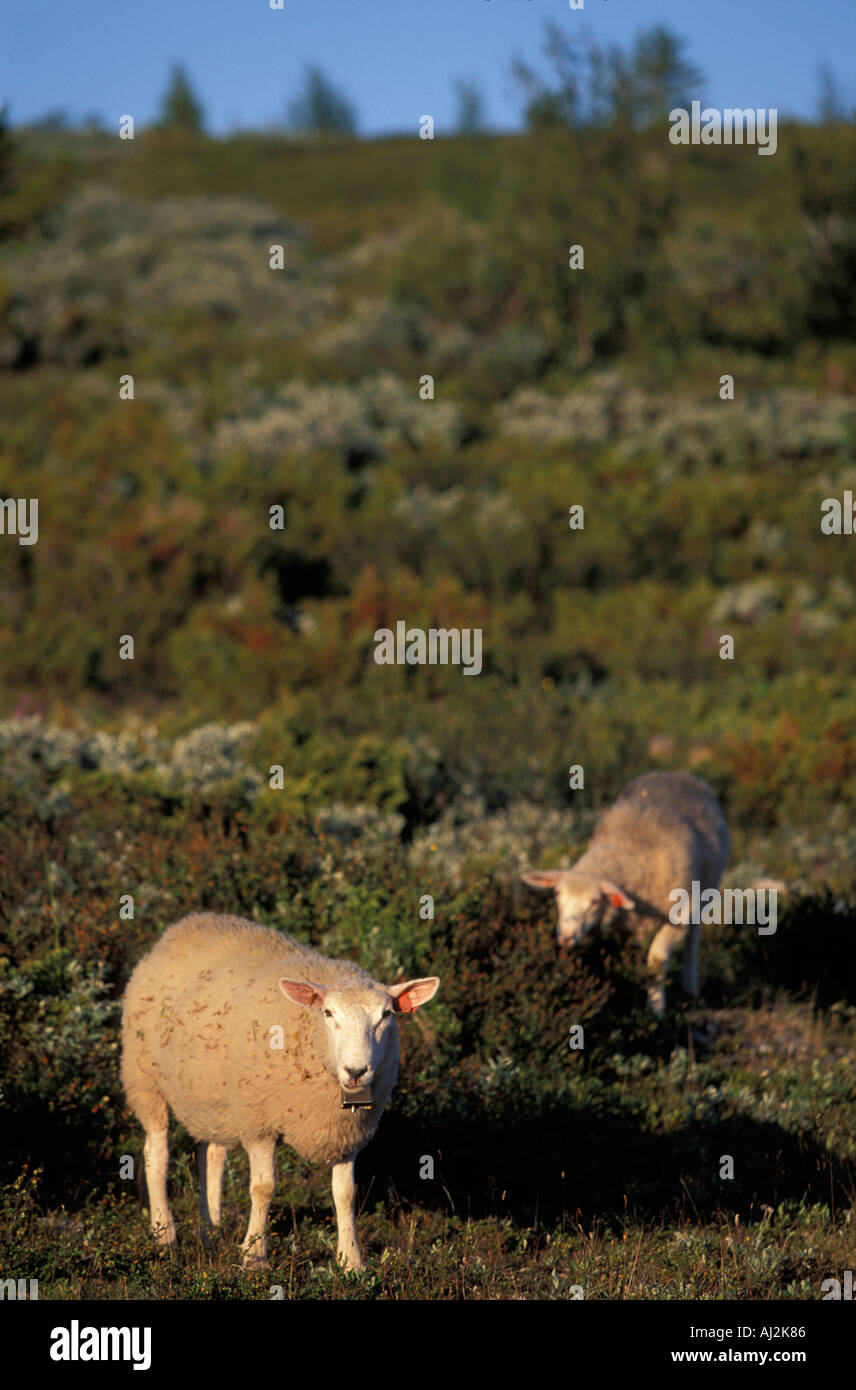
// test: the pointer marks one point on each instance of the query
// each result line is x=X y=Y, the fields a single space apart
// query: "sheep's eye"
x=387 y=1013
x=327 y=1013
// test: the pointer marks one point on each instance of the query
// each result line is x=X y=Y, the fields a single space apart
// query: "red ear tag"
x=616 y=900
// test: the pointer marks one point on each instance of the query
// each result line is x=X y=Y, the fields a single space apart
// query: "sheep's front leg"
x=156 y=1154
x=668 y=938
x=212 y=1161
x=689 y=964
x=344 y=1199
x=261 y=1190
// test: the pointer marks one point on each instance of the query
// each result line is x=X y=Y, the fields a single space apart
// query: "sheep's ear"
x=407 y=997
x=543 y=878
x=615 y=895
x=304 y=993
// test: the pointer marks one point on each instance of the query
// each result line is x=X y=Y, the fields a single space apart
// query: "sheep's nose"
x=354 y=1076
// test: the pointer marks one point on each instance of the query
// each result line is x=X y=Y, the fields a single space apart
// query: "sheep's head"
x=583 y=900
x=359 y=1021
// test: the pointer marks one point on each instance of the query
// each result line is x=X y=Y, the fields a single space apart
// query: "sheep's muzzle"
x=358 y=1099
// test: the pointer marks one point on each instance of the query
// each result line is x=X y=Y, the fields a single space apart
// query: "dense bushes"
x=253 y=646
x=491 y=1083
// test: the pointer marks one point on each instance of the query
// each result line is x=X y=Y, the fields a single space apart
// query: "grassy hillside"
x=299 y=389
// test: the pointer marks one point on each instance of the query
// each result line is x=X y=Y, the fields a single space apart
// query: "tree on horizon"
x=181 y=108
x=595 y=86
x=320 y=108
x=470 y=118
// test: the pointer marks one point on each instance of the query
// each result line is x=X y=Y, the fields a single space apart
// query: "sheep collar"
x=359 y=1099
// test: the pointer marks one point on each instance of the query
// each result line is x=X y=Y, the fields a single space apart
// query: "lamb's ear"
x=615 y=895
x=304 y=993
x=407 y=997
x=543 y=878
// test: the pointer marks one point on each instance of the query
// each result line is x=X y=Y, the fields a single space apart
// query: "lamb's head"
x=359 y=1021
x=583 y=900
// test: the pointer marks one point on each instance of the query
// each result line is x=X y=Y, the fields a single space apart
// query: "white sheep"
x=664 y=831
x=245 y=1034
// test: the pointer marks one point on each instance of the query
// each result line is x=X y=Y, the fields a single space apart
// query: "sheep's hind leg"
x=689 y=964
x=344 y=1199
x=262 y=1185
x=156 y=1153
x=667 y=939
x=212 y=1161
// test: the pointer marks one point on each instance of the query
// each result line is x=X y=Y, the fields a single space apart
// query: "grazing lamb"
x=246 y=1034
x=665 y=830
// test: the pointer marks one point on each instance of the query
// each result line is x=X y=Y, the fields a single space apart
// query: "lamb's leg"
x=344 y=1199
x=689 y=964
x=212 y=1161
x=261 y=1190
x=156 y=1153
x=668 y=938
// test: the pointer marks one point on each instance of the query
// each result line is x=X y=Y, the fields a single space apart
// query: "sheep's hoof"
x=704 y=1037
x=253 y=1261
x=209 y=1236
x=656 y=1001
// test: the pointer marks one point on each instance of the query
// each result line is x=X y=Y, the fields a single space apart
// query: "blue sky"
x=395 y=59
